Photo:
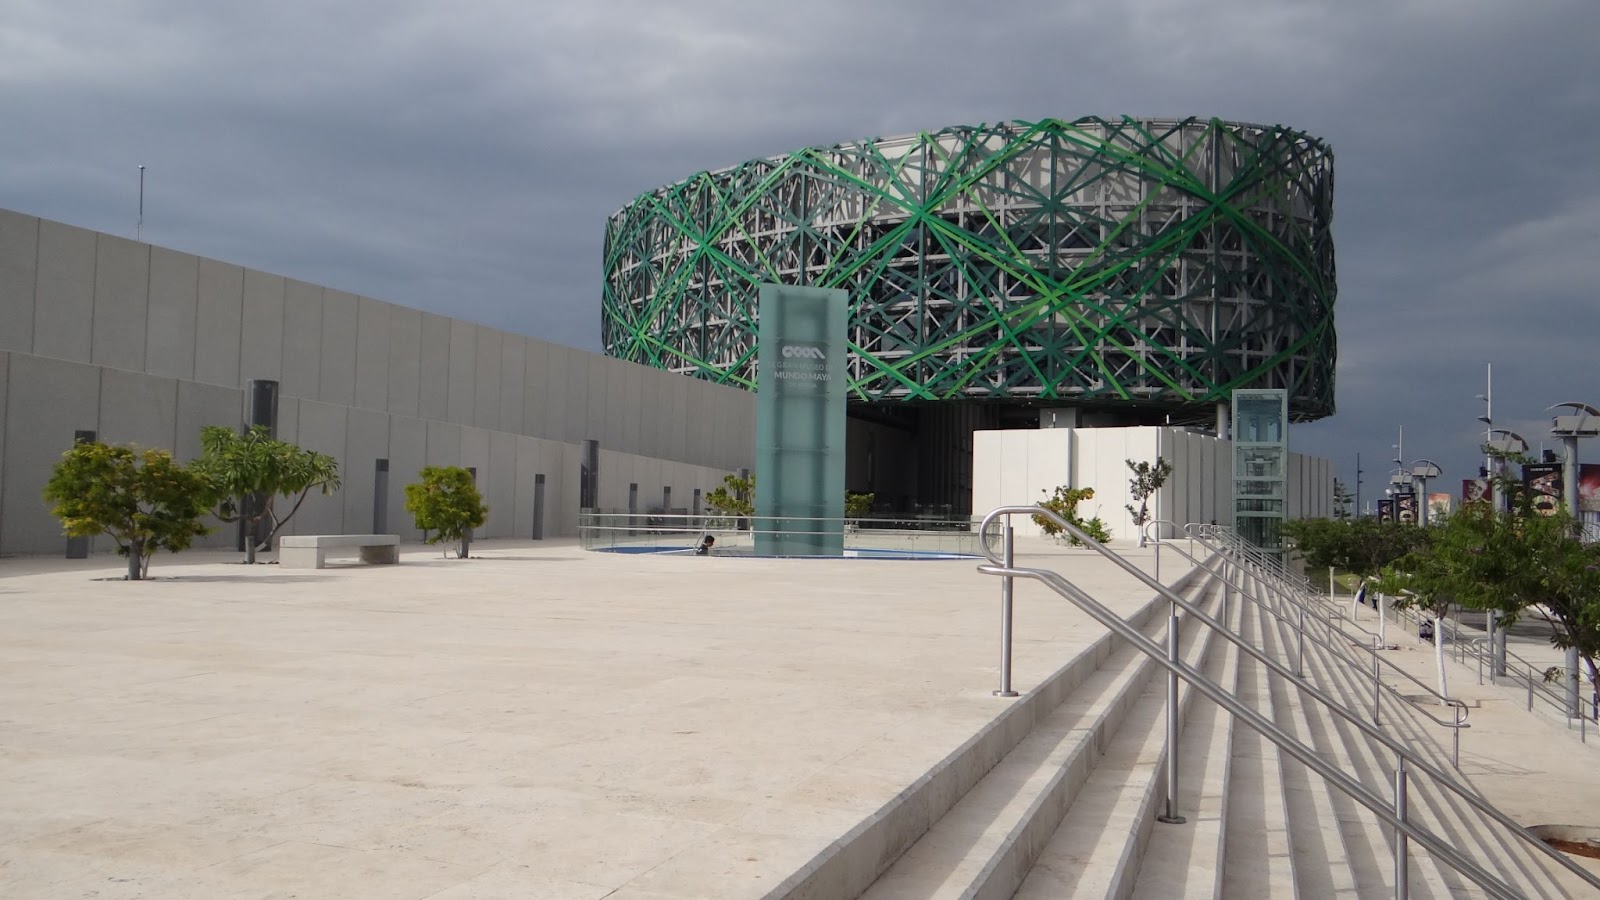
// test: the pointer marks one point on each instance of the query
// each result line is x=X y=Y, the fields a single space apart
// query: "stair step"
x=984 y=845
x=1177 y=860
x=1322 y=861
x=1099 y=846
x=1258 y=856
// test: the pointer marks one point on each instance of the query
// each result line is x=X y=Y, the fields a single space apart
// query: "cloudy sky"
x=462 y=157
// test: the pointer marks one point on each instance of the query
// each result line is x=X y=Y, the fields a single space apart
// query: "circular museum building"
x=1023 y=274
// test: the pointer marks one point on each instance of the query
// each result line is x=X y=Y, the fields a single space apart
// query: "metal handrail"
x=1458 y=723
x=1260 y=724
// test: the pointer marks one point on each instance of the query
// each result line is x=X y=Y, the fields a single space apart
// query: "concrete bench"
x=311 y=551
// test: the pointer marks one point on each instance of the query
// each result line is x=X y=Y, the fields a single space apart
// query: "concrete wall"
x=147 y=344
x=1020 y=466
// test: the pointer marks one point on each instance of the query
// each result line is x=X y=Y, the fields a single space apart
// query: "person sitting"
x=705 y=546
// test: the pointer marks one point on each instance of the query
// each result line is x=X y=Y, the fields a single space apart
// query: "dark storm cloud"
x=462 y=158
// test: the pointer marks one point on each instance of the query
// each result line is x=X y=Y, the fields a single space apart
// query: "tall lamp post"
x=1504 y=443
x=1422 y=470
x=1581 y=421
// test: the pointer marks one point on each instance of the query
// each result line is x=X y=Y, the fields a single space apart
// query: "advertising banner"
x=1589 y=487
x=1385 y=510
x=1439 y=505
x=1474 y=490
x=1543 y=481
x=1405 y=507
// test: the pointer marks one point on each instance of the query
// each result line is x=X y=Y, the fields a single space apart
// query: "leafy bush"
x=142 y=499
x=446 y=502
x=1064 y=503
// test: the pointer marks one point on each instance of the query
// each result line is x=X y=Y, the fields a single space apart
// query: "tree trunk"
x=136 y=561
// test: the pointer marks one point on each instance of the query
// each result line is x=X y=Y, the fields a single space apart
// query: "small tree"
x=1064 y=503
x=858 y=506
x=142 y=499
x=1147 y=479
x=446 y=502
x=252 y=470
x=736 y=497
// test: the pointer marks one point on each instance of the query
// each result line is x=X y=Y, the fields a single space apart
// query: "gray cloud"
x=462 y=158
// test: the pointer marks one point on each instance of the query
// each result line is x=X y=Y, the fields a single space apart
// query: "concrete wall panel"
x=560 y=382
x=324 y=428
x=5 y=376
x=463 y=391
x=571 y=466
x=500 y=488
x=372 y=354
x=64 y=292
x=408 y=453
x=47 y=400
x=526 y=465
x=486 y=378
x=434 y=388
x=366 y=442
x=513 y=381
x=138 y=409
x=580 y=391
x=302 y=339
x=219 y=312
x=336 y=380
x=200 y=405
x=405 y=361
x=261 y=340
x=602 y=420
x=288 y=419
x=444 y=444
x=121 y=302
x=174 y=301
x=19 y=256
x=537 y=395
x=475 y=453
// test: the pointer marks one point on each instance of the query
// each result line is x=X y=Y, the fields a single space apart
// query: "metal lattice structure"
x=1163 y=263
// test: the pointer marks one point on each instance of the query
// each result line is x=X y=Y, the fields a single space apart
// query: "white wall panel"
x=463 y=371
x=47 y=400
x=261 y=340
x=408 y=453
x=404 y=379
x=444 y=443
x=568 y=372
x=5 y=376
x=486 y=378
x=323 y=428
x=366 y=442
x=302 y=339
x=219 y=316
x=64 y=311
x=475 y=453
x=336 y=380
x=19 y=256
x=500 y=487
x=138 y=409
x=121 y=302
x=204 y=404
x=170 y=337
x=513 y=381
x=434 y=387
x=372 y=354
x=539 y=394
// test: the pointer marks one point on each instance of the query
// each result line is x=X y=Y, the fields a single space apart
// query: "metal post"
x=1171 y=817
x=1573 y=709
x=1489 y=623
x=1377 y=688
x=1005 y=618
x=1300 y=649
x=1530 y=690
x=1401 y=847
x=1455 y=742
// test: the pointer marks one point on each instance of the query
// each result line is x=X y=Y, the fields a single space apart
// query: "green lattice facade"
x=1098 y=262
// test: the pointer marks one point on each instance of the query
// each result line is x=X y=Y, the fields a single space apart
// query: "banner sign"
x=1543 y=481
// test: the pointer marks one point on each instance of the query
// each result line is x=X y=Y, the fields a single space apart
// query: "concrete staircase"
x=1058 y=798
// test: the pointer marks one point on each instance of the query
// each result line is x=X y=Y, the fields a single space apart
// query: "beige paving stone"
x=539 y=722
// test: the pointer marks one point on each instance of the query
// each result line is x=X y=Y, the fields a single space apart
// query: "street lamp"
x=1422 y=470
x=1583 y=421
x=1504 y=443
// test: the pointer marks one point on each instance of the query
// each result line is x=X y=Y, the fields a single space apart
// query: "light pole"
x=1422 y=470
x=1505 y=444
x=1357 y=514
x=1583 y=421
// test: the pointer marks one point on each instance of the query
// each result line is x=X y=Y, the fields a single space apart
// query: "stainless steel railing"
x=1298 y=625
x=1391 y=811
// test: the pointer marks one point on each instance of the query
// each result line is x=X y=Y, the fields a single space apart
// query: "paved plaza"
x=542 y=722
